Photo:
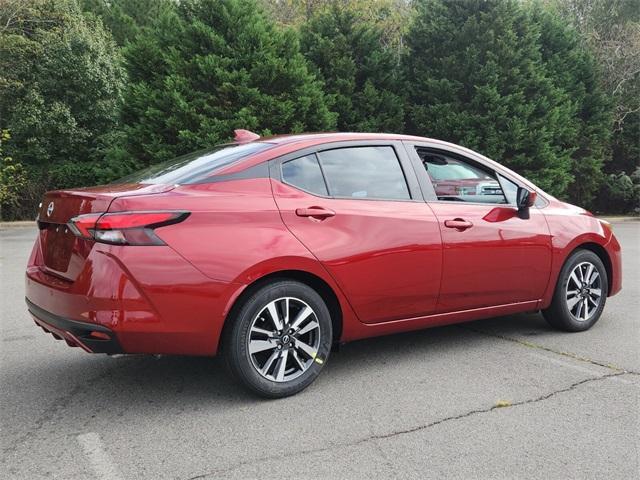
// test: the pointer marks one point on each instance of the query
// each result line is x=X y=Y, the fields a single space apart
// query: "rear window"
x=196 y=166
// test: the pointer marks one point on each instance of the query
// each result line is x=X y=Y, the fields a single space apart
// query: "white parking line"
x=102 y=464
x=580 y=368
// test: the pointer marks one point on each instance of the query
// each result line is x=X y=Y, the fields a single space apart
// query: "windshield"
x=194 y=167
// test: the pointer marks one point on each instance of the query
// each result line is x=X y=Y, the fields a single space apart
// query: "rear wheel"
x=581 y=293
x=280 y=339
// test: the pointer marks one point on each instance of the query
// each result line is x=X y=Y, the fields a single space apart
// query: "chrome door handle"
x=458 y=223
x=315 y=212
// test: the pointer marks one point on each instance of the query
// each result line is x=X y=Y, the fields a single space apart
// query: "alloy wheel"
x=284 y=339
x=584 y=291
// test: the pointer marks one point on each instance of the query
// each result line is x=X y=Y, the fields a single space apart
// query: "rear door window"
x=305 y=174
x=364 y=172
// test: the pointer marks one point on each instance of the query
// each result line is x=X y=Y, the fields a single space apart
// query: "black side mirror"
x=524 y=200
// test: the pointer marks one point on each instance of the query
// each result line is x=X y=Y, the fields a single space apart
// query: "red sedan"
x=271 y=251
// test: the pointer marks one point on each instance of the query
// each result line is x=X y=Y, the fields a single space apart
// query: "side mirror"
x=525 y=199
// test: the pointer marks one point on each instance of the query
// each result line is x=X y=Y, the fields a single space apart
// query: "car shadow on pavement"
x=435 y=341
x=140 y=382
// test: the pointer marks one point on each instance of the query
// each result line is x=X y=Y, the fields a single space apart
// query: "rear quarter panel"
x=234 y=236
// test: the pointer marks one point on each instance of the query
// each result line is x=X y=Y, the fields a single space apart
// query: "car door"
x=358 y=208
x=491 y=256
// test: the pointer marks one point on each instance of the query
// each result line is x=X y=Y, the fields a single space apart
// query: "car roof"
x=336 y=137
x=284 y=144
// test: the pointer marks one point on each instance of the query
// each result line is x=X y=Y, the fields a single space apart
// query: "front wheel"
x=580 y=294
x=280 y=339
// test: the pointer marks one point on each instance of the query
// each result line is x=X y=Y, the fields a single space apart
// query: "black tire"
x=564 y=313
x=245 y=366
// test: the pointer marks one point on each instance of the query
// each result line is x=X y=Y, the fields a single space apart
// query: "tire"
x=268 y=358
x=576 y=306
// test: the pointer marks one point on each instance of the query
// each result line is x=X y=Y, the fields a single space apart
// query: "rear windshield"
x=194 y=167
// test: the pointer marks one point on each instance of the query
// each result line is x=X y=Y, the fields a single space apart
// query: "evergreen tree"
x=60 y=91
x=475 y=76
x=209 y=67
x=391 y=17
x=626 y=146
x=574 y=69
x=125 y=18
x=359 y=73
x=611 y=30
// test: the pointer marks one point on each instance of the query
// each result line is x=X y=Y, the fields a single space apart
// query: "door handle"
x=458 y=223
x=315 y=212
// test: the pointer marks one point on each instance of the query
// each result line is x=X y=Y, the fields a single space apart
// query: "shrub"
x=60 y=93
x=620 y=193
x=13 y=180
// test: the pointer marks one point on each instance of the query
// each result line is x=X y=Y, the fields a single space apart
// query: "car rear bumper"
x=145 y=299
x=88 y=336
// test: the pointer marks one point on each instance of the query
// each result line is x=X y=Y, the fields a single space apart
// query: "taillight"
x=124 y=228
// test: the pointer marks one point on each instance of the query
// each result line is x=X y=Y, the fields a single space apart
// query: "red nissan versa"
x=270 y=251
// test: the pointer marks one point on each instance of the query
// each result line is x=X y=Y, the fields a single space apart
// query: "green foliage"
x=358 y=71
x=475 y=76
x=13 y=178
x=626 y=145
x=550 y=88
x=573 y=69
x=208 y=67
x=125 y=18
x=390 y=17
x=610 y=30
x=620 y=193
x=60 y=90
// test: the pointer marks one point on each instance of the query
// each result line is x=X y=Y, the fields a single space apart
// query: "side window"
x=457 y=180
x=364 y=172
x=509 y=188
x=305 y=173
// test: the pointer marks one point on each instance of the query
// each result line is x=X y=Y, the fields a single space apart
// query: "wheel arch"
x=561 y=256
x=602 y=253
x=310 y=279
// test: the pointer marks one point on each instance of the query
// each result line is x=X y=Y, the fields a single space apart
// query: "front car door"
x=491 y=256
x=358 y=208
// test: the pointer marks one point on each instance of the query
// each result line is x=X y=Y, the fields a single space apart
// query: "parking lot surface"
x=504 y=398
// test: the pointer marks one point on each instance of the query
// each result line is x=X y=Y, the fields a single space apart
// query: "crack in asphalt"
x=407 y=431
x=59 y=404
x=526 y=343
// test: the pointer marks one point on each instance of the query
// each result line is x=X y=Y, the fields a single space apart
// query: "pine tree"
x=125 y=18
x=475 y=76
x=209 y=67
x=610 y=30
x=574 y=69
x=359 y=73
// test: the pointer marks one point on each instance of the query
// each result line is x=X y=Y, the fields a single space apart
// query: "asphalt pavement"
x=505 y=398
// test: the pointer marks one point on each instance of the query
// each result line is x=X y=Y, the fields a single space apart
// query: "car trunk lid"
x=63 y=253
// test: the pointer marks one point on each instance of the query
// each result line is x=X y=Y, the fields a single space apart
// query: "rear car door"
x=491 y=256
x=358 y=208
